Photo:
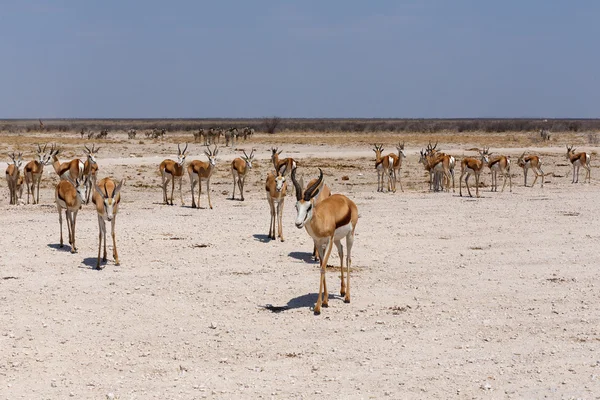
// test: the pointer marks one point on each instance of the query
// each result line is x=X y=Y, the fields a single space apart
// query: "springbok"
x=169 y=170
x=71 y=169
x=324 y=192
x=327 y=223
x=383 y=165
x=106 y=197
x=69 y=195
x=239 y=168
x=198 y=170
x=13 y=172
x=579 y=160
x=90 y=171
x=470 y=165
x=397 y=165
x=533 y=162
x=33 y=173
x=278 y=164
x=276 y=188
x=500 y=164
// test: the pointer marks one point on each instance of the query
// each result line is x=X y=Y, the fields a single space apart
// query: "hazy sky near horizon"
x=338 y=58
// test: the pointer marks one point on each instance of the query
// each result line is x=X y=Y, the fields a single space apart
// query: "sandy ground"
x=452 y=297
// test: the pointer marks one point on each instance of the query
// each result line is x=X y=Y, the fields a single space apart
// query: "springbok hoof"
x=346 y=301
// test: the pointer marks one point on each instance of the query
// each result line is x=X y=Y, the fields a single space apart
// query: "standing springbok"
x=69 y=195
x=13 y=172
x=533 y=162
x=500 y=164
x=198 y=170
x=397 y=165
x=327 y=223
x=33 y=173
x=239 y=168
x=71 y=169
x=470 y=165
x=276 y=188
x=579 y=160
x=383 y=165
x=169 y=170
x=278 y=163
x=324 y=192
x=90 y=171
x=107 y=196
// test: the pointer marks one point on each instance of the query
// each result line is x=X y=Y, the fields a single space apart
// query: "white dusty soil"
x=451 y=297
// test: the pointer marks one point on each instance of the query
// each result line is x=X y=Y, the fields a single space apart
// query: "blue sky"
x=390 y=59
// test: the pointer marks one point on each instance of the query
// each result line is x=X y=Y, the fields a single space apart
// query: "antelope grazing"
x=327 y=222
x=106 y=198
x=71 y=169
x=13 y=172
x=276 y=188
x=239 y=169
x=397 y=164
x=169 y=170
x=579 y=160
x=69 y=195
x=33 y=173
x=500 y=164
x=533 y=162
x=90 y=171
x=198 y=170
x=470 y=165
x=383 y=165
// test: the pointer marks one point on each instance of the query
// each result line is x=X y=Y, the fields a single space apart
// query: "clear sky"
x=336 y=58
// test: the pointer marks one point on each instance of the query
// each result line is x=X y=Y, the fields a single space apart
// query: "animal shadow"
x=302 y=256
x=262 y=238
x=91 y=262
x=56 y=246
x=304 y=301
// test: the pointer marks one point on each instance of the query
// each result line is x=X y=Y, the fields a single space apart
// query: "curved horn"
x=296 y=185
x=308 y=193
x=46 y=145
x=245 y=155
x=184 y=150
x=39 y=148
x=178 y=149
x=86 y=148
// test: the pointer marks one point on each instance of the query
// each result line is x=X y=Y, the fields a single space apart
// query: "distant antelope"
x=397 y=164
x=383 y=166
x=69 y=196
x=33 y=173
x=328 y=222
x=198 y=170
x=90 y=171
x=13 y=172
x=239 y=168
x=103 y=134
x=71 y=169
x=276 y=188
x=131 y=133
x=470 y=165
x=169 y=170
x=579 y=160
x=500 y=164
x=533 y=162
x=106 y=198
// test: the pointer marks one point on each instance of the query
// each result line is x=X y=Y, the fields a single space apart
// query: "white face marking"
x=212 y=160
x=279 y=181
x=304 y=209
x=181 y=159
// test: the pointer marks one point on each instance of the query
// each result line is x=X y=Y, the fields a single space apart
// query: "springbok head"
x=212 y=155
x=44 y=157
x=91 y=153
x=248 y=158
x=17 y=159
x=304 y=203
x=378 y=149
x=181 y=155
x=485 y=154
x=570 y=150
x=400 y=149
x=109 y=199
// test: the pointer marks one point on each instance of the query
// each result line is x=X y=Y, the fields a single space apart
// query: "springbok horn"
x=310 y=190
x=184 y=150
x=296 y=185
x=178 y=150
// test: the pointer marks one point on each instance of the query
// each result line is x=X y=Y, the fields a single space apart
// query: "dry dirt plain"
x=452 y=297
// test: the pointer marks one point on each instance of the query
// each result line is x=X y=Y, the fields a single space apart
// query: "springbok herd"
x=328 y=218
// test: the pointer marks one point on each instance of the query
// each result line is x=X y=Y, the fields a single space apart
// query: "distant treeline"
x=275 y=124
